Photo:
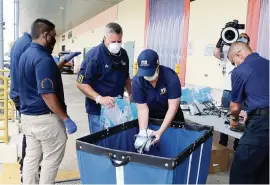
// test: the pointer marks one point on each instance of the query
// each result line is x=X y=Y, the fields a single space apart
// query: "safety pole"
x=135 y=68
x=16 y=19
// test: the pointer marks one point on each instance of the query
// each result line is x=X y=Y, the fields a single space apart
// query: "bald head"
x=238 y=52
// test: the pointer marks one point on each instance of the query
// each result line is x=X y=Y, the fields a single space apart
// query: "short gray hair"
x=113 y=28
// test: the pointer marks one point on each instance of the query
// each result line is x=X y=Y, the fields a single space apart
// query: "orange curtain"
x=252 y=22
x=146 y=22
x=184 y=43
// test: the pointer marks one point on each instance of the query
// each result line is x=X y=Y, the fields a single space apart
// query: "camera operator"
x=226 y=95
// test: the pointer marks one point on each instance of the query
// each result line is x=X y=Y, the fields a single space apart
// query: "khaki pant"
x=45 y=137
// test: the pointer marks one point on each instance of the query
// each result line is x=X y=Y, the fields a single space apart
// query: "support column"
x=16 y=19
x=1 y=35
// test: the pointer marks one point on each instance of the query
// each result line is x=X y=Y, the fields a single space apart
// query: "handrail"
x=5 y=97
x=4 y=70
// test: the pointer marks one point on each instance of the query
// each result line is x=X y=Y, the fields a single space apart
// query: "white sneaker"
x=143 y=140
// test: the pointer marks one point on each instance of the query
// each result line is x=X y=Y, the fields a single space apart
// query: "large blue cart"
x=182 y=156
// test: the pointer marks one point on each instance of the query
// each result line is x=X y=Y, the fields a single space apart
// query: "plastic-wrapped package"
x=122 y=112
x=189 y=95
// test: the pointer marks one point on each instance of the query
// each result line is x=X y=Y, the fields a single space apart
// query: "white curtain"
x=263 y=35
x=165 y=30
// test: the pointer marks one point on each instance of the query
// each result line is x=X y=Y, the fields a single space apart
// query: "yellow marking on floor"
x=66 y=175
x=10 y=174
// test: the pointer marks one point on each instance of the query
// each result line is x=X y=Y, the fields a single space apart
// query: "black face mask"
x=50 y=45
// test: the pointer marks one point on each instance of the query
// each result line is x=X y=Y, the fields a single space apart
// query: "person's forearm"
x=235 y=109
x=168 y=118
x=128 y=86
x=61 y=63
x=143 y=117
x=216 y=53
x=88 y=91
x=54 y=105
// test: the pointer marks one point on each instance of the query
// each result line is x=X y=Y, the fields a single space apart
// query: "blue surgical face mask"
x=243 y=39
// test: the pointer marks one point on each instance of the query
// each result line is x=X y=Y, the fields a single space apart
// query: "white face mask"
x=151 y=78
x=114 y=48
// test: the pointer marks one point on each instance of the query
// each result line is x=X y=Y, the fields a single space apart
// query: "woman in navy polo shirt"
x=156 y=91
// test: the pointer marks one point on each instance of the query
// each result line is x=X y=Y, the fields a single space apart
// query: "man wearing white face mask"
x=156 y=91
x=104 y=74
x=226 y=96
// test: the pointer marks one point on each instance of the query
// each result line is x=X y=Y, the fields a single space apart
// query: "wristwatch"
x=235 y=119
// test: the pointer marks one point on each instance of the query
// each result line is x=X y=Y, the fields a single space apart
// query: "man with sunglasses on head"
x=104 y=74
x=43 y=107
x=250 y=84
x=226 y=95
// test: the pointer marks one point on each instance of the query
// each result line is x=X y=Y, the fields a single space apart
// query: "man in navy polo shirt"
x=250 y=83
x=227 y=87
x=17 y=50
x=104 y=74
x=43 y=108
x=156 y=91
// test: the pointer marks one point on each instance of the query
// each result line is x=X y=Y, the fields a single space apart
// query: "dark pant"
x=17 y=106
x=179 y=116
x=251 y=160
x=225 y=103
x=224 y=138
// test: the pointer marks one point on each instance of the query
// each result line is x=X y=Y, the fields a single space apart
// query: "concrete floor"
x=76 y=110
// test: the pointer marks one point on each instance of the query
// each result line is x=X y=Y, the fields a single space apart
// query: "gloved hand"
x=70 y=125
x=70 y=56
x=144 y=140
x=219 y=42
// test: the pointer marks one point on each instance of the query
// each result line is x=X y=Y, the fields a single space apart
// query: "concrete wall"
x=131 y=16
x=207 y=18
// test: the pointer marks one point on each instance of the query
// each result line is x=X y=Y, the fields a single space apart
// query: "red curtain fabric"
x=184 y=43
x=252 y=22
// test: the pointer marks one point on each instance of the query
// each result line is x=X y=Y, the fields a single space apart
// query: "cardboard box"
x=219 y=158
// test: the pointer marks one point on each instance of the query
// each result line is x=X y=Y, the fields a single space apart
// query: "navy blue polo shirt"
x=38 y=74
x=168 y=87
x=250 y=83
x=16 y=51
x=105 y=73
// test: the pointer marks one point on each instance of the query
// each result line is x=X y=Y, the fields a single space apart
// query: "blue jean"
x=226 y=99
x=225 y=102
x=94 y=123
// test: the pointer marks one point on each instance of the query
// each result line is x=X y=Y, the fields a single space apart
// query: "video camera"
x=230 y=33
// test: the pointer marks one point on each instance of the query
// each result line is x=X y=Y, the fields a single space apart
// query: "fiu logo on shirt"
x=47 y=83
x=144 y=63
x=123 y=63
x=80 y=78
x=163 y=91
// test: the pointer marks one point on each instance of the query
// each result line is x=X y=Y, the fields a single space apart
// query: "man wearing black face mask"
x=43 y=108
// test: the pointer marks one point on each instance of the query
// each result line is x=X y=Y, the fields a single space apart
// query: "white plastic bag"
x=122 y=112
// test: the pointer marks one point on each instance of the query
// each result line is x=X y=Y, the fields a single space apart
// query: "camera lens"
x=229 y=35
